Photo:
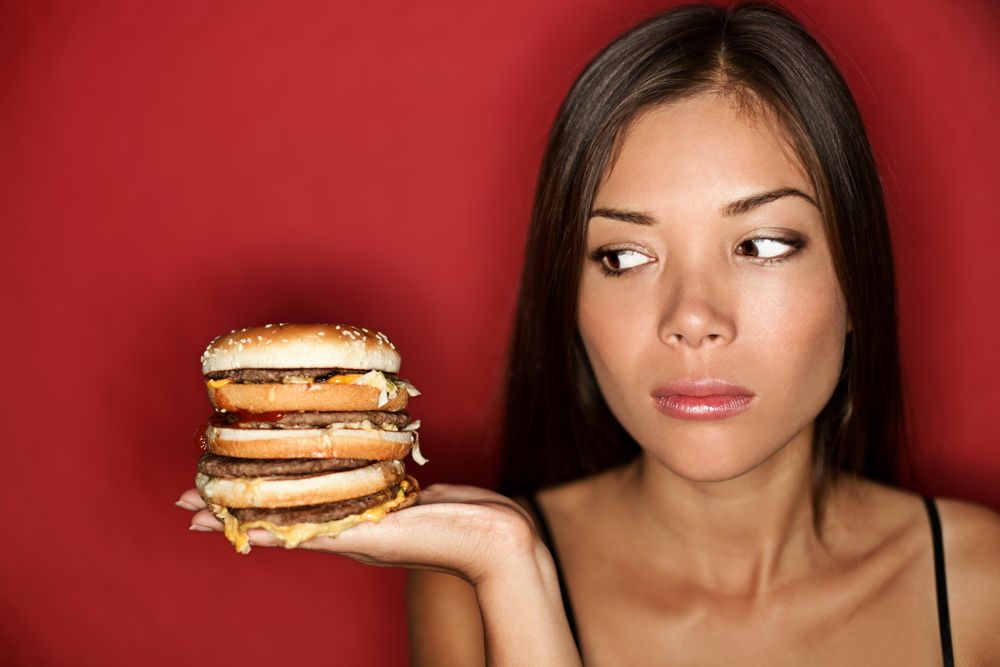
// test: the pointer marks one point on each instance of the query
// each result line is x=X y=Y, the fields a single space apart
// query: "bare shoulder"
x=971 y=530
x=578 y=501
x=560 y=505
x=894 y=522
x=971 y=533
x=444 y=620
x=972 y=561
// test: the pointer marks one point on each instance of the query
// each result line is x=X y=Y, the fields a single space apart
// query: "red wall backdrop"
x=169 y=171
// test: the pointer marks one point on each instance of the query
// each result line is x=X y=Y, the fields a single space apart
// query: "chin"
x=706 y=459
x=706 y=471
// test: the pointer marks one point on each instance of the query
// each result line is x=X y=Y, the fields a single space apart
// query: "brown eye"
x=764 y=248
x=619 y=261
x=747 y=248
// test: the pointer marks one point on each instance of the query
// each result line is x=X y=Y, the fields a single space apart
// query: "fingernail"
x=186 y=505
x=201 y=529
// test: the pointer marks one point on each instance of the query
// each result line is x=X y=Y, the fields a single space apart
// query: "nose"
x=697 y=311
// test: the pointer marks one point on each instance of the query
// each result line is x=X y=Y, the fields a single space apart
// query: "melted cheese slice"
x=293 y=535
x=344 y=379
x=348 y=378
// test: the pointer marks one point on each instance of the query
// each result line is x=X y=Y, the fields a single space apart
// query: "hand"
x=481 y=536
x=462 y=530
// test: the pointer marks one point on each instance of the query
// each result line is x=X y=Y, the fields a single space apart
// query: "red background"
x=170 y=171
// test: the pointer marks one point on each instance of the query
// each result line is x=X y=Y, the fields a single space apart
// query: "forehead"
x=700 y=151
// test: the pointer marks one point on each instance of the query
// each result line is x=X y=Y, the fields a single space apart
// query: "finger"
x=191 y=500
x=205 y=520
x=455 y=493
x=402 y=535
x=263 y=538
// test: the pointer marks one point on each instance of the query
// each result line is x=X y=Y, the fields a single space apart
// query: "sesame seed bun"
x=346 y=443
x=301 y=346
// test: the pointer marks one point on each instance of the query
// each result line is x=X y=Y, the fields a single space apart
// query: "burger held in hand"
x=309 y=431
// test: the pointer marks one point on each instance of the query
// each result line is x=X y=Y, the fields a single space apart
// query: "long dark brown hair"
x=557 y=426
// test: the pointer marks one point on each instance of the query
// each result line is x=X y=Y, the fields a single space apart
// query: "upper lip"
x=700 y=387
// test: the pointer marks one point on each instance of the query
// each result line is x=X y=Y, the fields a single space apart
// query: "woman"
x=704 y=395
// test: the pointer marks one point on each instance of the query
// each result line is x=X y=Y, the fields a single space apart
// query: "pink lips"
x=702 y=399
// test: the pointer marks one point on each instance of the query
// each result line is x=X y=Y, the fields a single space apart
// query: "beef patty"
x=378 y=419
x=214 y=465
x=271 y=375
x=314 y=513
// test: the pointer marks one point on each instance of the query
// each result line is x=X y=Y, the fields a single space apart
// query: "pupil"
x=749 y=248
x=613 y=260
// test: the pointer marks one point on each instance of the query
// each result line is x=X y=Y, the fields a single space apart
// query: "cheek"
x=611 y=319
x=800 y=327
x=790 y=328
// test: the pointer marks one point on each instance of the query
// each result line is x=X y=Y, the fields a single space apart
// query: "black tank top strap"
x=546 y=535
x=941 y=583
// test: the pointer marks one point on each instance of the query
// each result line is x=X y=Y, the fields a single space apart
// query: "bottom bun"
x=299 y=490
x=295 y=534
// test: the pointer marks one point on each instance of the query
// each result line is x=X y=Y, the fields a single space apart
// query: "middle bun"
x=295 y=443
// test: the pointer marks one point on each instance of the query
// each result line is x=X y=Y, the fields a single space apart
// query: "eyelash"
x=600 y=254
x=796 y=244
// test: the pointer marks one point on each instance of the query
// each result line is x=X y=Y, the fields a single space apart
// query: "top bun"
x=301 y=346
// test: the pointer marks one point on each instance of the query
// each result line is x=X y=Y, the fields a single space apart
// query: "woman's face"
x=709 y=306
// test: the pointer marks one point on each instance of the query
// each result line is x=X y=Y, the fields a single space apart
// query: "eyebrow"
x=635 y=217
x=733 y=208
x=747 y=204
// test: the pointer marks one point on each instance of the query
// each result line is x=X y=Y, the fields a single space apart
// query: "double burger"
x=309 y=431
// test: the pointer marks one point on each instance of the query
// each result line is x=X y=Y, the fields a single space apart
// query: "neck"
x=741 y=536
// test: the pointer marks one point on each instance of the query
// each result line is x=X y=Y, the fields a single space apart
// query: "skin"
x=477 y=538
x=703 y=549
x=691 y=300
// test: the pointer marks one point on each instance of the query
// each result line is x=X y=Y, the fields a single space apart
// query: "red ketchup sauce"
x=235 y=418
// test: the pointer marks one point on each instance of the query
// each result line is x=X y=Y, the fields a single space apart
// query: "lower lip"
x=703 y=407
